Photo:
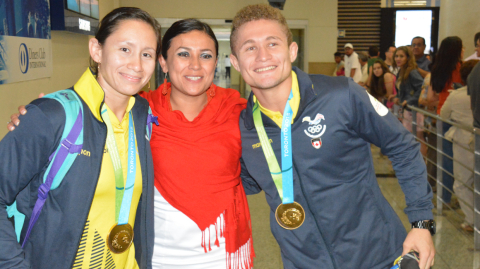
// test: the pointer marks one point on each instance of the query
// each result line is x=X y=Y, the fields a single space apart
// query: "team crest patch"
x=317 y=143
x=379 y=107
x=315 y=129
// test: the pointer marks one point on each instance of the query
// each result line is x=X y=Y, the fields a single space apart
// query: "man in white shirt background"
x=352 y=65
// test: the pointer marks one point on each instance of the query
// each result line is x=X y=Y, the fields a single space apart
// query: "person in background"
x=418 y=47
x=340 y=65
x=374 y=54
x=457 y=109
x=476 y=54
x=80 y=218
x=473 y=89
x=227 y=67
x=352 y=65
x=382 y=85
x=430 y=132
x=445 y=72
x=363 y=59
x=409 y=84
x=389 y=59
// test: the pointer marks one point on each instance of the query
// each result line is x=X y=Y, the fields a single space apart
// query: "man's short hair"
x=477 y=37
x=388 y=50
x=363 y=56
x=421 y=38
x=467 y=68
x=337 y=54
x=255 y=13
x=373 y=51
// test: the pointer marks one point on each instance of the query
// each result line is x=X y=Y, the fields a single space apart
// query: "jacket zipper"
x=144 y=199
x=316 y=221
x=308 y=204
x=96 y=184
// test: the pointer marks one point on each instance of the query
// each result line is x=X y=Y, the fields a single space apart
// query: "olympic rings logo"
x=315 y=129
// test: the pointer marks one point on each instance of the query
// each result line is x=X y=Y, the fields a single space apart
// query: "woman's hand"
x=392 y=98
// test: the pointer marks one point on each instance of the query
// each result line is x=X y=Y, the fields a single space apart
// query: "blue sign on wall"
x=25 y=40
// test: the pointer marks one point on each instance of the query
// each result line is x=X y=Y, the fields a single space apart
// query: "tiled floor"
x=454 y=247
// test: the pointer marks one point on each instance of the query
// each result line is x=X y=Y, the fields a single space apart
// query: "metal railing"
x=473 y=167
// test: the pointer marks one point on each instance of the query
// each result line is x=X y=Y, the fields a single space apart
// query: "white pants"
x=178 y=241
x=463 y=175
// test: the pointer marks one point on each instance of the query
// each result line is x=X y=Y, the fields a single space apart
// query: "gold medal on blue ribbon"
x=289 y=214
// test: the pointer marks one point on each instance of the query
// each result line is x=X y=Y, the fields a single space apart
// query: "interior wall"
x=70 y=58
x=460 y=18
x=321 y=16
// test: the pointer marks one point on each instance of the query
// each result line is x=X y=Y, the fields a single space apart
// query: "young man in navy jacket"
x=306 y=143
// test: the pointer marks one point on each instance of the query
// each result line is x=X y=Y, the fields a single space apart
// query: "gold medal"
x=120 y=238
x=290 y=216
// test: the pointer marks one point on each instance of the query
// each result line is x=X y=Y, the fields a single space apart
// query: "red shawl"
x=197 y=168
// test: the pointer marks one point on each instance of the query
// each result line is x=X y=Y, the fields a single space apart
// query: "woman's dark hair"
x=183 y=27
x=377 y=88
x=111 y=21
x=445 y=62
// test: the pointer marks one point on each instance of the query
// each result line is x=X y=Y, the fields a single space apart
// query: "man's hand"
x=14 y=121
x=421 y=241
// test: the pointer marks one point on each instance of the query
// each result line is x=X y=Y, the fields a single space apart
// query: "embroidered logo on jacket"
x=315 y=130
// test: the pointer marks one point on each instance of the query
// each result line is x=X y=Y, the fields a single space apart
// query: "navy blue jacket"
x=348 y=222
x=55 y=238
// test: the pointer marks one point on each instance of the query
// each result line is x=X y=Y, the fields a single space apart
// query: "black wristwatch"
x=425 y=224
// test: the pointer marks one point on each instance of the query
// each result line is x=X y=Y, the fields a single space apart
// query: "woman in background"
x=409 y=84
x=383 y=84
x=457 y=109
x=445 y=72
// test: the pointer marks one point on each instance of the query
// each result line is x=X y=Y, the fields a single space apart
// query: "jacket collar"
x=91 y=92
x=307 y=95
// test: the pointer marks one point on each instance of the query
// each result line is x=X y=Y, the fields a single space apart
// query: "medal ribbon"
x=123 y=195
x=283 y=178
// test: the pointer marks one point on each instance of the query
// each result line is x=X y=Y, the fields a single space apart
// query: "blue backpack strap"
x=73 y=112
x=150 y=119
x=60 y=161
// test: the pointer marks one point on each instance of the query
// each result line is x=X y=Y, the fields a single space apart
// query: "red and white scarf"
x=197 y=168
